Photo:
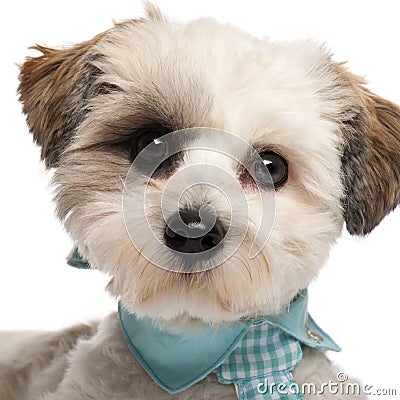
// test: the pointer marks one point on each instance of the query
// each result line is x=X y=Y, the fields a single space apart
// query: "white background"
x=356 y=297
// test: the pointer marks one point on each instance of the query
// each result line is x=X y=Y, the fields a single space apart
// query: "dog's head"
x=327 y=147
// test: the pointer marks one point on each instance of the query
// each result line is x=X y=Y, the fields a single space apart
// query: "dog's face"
x=329 y=150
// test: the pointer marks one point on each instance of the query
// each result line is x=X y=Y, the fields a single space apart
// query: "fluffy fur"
x=84 y=103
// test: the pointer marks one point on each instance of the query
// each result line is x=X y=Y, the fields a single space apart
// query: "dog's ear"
x=371 y=158
x=54 y=89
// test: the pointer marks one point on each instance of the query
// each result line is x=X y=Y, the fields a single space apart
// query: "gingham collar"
x=254 y=354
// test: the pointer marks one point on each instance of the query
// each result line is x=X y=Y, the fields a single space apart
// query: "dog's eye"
x=275 y=164
x=144 y=138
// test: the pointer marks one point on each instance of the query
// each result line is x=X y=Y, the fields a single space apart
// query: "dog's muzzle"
x=191 y=231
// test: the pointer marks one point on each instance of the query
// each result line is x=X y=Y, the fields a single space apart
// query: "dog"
x=324 y=152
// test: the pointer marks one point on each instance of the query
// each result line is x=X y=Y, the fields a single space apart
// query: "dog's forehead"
x=219 y=76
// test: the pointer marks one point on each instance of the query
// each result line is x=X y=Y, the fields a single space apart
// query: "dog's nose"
x=187 y=233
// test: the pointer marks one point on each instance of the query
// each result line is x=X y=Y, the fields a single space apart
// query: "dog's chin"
x=238 y=288
x=168 y=308
x=215 y=296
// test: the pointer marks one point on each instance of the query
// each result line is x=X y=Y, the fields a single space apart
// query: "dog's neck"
x=162 y=347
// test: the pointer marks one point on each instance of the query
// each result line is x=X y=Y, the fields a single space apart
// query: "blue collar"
x=178 y=360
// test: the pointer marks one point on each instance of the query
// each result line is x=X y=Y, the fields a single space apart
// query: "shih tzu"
x=208 y=173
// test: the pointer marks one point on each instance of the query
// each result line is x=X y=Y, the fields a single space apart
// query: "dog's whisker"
x=265 y=264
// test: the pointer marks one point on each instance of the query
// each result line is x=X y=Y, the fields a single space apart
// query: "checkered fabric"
x=261 y=365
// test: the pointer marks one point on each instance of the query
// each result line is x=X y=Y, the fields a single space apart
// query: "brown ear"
x=371 y=159
x=54 y=89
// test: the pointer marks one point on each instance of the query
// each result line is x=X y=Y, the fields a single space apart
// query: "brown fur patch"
x=54 y=89
x=371 y=159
